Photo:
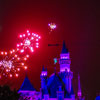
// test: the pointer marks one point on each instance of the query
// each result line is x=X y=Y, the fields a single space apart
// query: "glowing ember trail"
x=28 y=41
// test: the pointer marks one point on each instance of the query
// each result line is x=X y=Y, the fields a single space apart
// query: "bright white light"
x=52 y=26
x=20 y=36
x=31 y=48
x=27 y=31
x=23 y=35
x=27 y=42
x=6 y=64
x=22 y=51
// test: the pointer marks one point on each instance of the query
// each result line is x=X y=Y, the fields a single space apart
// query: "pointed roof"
x=79 y=87
x=64 y=49
x=26 y=85
x=43 y=69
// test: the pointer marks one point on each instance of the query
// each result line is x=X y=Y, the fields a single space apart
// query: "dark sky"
x=77 y=24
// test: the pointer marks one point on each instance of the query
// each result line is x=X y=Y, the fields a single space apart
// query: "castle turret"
x=65 y=67
x=44 y=89
x=79 y=93
x=43 y=77
x=64 y=59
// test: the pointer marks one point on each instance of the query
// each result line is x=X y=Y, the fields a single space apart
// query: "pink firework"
x=11 y=63
x=29 y=41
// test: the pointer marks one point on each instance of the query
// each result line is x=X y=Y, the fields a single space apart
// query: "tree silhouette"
x=7 y=94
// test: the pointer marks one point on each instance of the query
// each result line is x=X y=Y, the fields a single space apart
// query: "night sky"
x=77 y=24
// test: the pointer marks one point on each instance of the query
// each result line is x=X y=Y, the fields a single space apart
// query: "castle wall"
x=58 y=99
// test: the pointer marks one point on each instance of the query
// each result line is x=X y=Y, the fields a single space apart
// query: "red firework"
x=11 y=63
x=29 y=41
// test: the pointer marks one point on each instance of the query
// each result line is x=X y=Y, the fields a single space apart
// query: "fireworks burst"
x=29 y=41
x=52 y=26
x=11 y=63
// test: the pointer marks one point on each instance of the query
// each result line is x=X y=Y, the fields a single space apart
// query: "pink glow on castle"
x=58 y=86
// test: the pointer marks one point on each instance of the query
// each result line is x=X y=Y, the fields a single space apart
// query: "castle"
x=56 y=87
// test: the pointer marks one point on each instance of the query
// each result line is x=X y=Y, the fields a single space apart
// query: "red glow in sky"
x=77 y=24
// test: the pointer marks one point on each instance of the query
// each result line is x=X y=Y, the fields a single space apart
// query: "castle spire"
x=64 y=49
x=64 y=60
x=43 y=77
x=43 y=69
x=26 y=85
x=79 y=93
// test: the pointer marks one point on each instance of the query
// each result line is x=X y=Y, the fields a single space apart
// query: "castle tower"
x=43 y=77
x=44 y=83
x=65 y=67
x=64 y=59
